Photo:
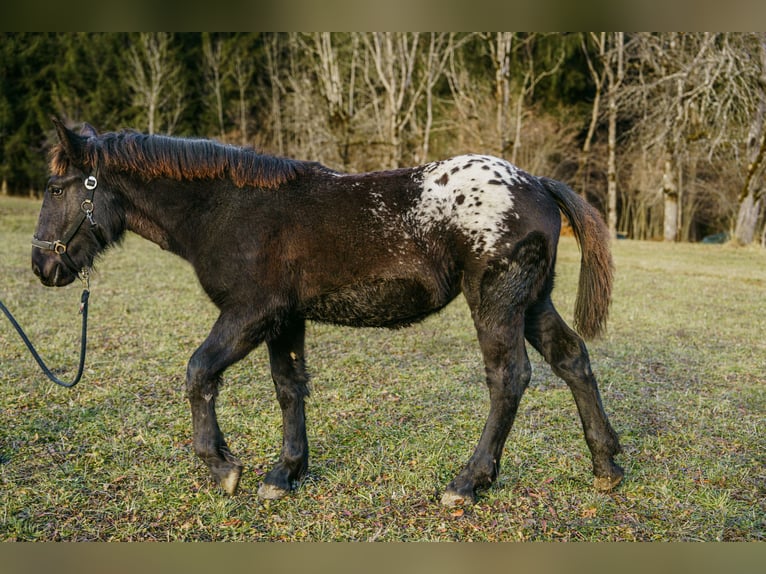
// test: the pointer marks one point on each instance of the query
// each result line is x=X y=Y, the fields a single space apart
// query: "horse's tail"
x=594 y=292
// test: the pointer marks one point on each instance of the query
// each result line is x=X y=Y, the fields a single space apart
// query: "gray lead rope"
x=85 y=277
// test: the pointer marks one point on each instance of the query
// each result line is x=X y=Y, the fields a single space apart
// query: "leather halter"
x=59 y=246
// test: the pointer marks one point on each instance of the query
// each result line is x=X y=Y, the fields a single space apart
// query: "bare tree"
x=212 y=50
x=530 y=75
x=154 y=77
x=277 y=91
x=611 y=51
x=242 y=70
x=615 y=73
x=392 y=57
x=691 y=95
x=307 y=132
x=467 y=99
x=516 y=71
x=440 y=48
x=339 y=94
x=334 y=64
x=751 y=196
x=500 y=47
x=598 y=75
x=670 y=63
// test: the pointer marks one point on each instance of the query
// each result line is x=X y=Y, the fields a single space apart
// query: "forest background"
x=663 y=132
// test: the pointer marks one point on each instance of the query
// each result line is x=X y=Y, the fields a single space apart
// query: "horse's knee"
x=195 y=371
x=201 y=382
x=569 y=359
x=511 y=376
x=573 y=371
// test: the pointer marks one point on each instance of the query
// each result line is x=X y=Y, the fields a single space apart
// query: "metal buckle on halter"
x=90 y=183
x=58 y=247
x=87 y=208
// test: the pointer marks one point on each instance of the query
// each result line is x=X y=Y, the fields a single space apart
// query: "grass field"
x=392 y=417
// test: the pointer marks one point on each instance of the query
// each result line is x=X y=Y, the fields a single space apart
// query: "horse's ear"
x=73 y=144
x=88 y=130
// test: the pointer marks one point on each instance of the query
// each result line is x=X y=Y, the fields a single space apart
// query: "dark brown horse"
x=276 y=242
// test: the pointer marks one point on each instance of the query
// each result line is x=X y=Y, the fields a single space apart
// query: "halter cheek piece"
x=59 y=246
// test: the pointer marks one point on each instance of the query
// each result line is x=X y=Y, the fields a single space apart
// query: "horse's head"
x=68 y=237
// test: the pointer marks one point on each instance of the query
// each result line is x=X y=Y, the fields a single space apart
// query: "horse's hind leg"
x=565 y=351
x=498 y=299
x=286 y=355
x=224 y=346
x=508 y=374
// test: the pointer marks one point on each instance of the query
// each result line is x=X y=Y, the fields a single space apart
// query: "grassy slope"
x=392 y=417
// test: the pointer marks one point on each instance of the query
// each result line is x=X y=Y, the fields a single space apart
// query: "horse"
x=276 y=242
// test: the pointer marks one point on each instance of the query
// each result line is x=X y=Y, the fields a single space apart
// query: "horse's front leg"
x=225 y=345
x=288 y=369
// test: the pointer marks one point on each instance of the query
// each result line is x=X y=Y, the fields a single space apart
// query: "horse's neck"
x=153 y=213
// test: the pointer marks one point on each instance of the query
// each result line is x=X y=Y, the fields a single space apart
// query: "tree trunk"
x=611 y=174
x=243 y=72
x=747 y=219
x=519 y=119
x=751 y=196
x=501 y=54
x=670 y=192
x=615 y=77
x=272 y=68
x=598 y=80
x=213 y=53
x=438 y=53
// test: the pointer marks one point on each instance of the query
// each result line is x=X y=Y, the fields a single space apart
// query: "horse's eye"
x=56 y=191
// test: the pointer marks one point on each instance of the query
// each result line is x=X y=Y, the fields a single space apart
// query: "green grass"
x=392 y=417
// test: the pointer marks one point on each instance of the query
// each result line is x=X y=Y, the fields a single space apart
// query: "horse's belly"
x=377 y=303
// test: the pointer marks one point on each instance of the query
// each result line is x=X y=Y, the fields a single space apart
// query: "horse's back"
x=395 y=246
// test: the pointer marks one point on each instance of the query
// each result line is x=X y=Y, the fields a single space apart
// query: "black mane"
x=153 y=156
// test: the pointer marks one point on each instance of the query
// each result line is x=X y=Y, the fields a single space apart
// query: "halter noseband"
x=59 y=246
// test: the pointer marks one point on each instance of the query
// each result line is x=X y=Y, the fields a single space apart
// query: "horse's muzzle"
x=51 y=269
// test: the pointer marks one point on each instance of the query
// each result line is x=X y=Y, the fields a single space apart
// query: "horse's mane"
x=153 y=156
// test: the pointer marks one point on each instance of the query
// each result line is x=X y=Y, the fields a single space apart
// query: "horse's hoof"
x=606 y=483
x=450 y=499
x=230 y=482
x=271 y=492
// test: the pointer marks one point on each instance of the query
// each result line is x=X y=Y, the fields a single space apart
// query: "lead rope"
x=85 y=278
